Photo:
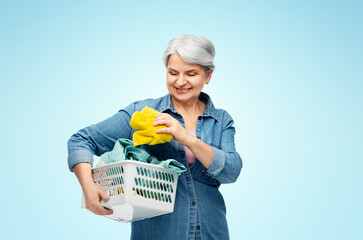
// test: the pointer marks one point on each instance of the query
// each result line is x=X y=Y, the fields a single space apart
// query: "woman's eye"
x=191 y=74
x=172 y=73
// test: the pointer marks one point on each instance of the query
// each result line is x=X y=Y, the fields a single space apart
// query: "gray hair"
x=192 y=49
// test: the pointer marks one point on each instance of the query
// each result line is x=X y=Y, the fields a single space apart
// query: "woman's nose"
x=181 y=80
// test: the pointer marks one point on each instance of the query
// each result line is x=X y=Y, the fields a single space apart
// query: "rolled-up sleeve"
x=227 y=163
x=99 y=138
x=79 y=156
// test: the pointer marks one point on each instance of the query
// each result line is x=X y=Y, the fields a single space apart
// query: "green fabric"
x=125 y=150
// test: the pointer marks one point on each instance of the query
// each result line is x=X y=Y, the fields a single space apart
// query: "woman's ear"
x=208 y=76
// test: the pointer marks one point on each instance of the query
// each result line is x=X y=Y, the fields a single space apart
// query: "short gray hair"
x=192 y=49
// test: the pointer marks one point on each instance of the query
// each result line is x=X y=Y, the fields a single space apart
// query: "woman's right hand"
x=92 y=192
x=93 y=195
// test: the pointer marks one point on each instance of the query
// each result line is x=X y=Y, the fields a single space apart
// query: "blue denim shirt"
x=199 y=210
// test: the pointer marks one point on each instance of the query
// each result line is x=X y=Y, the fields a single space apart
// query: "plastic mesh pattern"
x=111 y=180
x=153 y=184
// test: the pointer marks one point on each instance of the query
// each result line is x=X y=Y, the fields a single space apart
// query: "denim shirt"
x=199 y=210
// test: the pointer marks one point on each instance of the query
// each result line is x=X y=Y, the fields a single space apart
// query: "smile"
x=182 y=90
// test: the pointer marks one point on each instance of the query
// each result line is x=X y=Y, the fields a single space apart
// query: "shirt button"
x=193 y=203
x=198 y=227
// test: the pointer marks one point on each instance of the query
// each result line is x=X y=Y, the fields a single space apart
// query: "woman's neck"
x=195 y=107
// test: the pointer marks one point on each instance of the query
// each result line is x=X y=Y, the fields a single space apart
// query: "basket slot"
x=116 y=191
x=152 y=195
x=155 y=174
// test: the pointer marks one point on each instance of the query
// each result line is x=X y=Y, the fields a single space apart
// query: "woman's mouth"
x=182 y=90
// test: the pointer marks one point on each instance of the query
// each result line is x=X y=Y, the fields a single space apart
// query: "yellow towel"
x=146 y=133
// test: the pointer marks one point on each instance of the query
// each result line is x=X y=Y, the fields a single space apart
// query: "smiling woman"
x=203 y=142
x=185 y=81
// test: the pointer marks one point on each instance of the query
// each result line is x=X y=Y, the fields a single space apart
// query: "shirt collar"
x=210 y=111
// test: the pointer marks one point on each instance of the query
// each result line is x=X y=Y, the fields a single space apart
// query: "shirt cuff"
x=79 y=156
x=218 y=162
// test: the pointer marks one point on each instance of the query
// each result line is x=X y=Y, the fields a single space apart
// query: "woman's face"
x=184 y=80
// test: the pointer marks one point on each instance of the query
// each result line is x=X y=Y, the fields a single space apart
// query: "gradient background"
x=289 y=73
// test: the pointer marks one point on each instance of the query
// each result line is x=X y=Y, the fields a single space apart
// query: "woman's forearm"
x=202 y=151
x=83 y=171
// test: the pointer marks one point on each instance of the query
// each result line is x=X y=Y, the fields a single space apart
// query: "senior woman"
x=203 y=142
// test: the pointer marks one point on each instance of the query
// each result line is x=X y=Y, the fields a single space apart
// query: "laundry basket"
x=137 y=190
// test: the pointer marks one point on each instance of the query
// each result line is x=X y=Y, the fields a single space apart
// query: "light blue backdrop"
x=289 y=73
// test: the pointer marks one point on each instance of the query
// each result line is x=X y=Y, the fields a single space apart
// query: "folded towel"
x=124 y=150
x=146 y=133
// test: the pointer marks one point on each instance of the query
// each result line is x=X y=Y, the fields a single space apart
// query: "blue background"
x=289 y=73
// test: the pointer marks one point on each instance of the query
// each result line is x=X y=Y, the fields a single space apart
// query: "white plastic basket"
x=138 y=190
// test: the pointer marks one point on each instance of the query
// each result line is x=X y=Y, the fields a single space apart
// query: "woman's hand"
x=93 y=195
x=92 y=192
x=174 y=128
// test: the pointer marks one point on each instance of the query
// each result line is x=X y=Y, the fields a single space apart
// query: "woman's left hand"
x=173 y=127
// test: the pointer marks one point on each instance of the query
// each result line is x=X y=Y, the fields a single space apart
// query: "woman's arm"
x=95 y=140
x=223 y=164
x=202 y=151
